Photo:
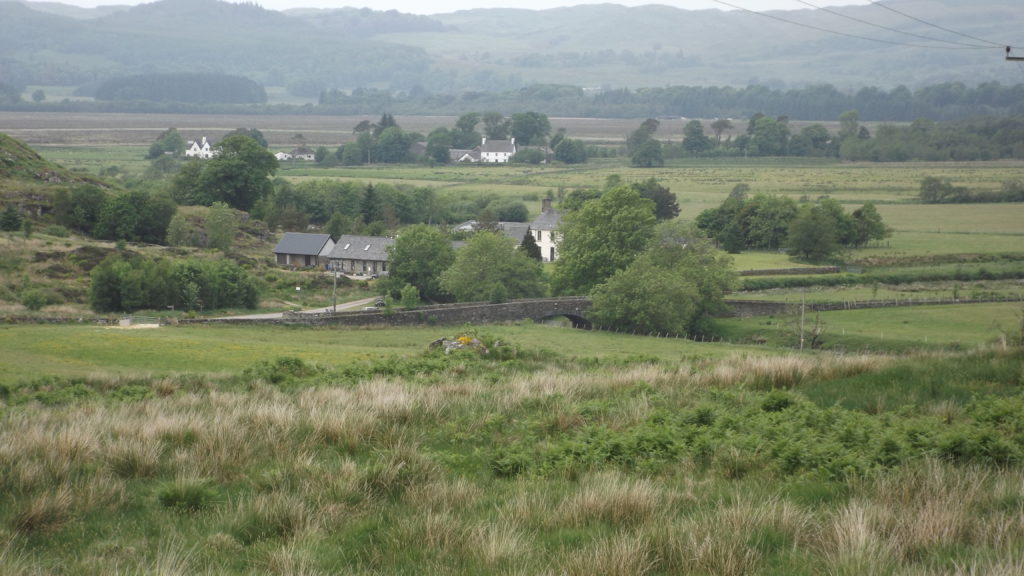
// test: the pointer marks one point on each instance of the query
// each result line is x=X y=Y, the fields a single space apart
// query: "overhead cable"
x=938 y=27
x=987 y=46
x=840 y=33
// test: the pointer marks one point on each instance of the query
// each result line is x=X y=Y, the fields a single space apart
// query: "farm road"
x=353 y=305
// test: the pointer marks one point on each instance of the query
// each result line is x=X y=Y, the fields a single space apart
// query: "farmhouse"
x=545 y=231
x=200 y=149
x=303 y=153
x=298 y=249
x=282 y=156
x=488 y=152
x=360 y=255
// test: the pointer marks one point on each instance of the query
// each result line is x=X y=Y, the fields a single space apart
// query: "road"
x=346 y=306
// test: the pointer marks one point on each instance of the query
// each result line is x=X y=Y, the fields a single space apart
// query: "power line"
x=896 y=30
x=936 y=26
x=837 y=32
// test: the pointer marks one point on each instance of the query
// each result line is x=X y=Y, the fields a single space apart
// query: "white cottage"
x=545 y=231
x=200 y=149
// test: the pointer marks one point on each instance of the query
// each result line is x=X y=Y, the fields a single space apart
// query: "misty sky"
x=443 y=6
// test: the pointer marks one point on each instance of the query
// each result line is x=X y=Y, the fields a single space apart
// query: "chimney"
x=545 y=205
x=483 y=141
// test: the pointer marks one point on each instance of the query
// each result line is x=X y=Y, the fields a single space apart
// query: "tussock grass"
x=610 y=498
x=392 y=475
x=771 y=372
x=45 y=512
x=267 y=516
x=620 y=555
x=852 y=543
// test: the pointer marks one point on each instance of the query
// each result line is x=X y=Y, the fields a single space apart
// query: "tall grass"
x=394 y=475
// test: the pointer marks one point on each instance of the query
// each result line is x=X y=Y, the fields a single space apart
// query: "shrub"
x=57 y=230
x=34 y=299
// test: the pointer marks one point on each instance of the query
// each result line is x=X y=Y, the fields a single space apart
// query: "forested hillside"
x=592 y=46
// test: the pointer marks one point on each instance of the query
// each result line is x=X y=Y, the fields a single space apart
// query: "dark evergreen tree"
x=10 y=219
x=529 y=246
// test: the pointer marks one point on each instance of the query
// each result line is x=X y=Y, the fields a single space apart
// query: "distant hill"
x=591 y=46
x=74 y=11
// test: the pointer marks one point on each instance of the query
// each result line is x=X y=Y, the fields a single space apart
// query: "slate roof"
x=498 y=146
x=459 y=155
x=514 y=230
x=302 y=243
x=351 y=247
x=547 y=220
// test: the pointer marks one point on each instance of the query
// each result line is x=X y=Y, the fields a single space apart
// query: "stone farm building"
x=300 y=250
x=361 y=255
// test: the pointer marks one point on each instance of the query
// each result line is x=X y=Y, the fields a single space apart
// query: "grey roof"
x=351 y=247
x=514 y=230
x=548 y=220
x=457 y=154
x=498 y=146
x=302 y=243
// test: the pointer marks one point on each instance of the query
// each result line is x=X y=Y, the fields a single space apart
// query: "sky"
x=445 y=6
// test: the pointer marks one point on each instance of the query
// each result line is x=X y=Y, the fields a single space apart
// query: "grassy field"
x=34 y=351
x=916 y=291
x=216 y=449
x=887 y=329
x=711 y=459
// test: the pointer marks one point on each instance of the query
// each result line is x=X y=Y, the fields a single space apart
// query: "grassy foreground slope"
x=613 y=455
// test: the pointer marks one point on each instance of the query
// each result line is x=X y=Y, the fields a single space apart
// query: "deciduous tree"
x=812 y=235
x=239 y=175
x=600 y=238
x=418 y=257
x=490 y=261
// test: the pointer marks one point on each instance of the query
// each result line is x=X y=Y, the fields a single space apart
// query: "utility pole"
x=1010 y=57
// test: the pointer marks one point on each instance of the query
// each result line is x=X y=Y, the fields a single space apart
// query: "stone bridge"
x=536 y=309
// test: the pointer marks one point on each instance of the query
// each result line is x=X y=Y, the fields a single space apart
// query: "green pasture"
x=914 y=291
x=28 y=352
x=92 y=159
x=887 y=329
x=754 y=260
x=700 y=184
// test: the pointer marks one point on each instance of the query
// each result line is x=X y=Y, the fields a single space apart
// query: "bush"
x=34 y=299
x=57 y=230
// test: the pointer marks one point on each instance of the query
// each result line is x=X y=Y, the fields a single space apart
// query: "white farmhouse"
x=545 y=231
x=488 y=152
x=200 y=149
x=499 y=151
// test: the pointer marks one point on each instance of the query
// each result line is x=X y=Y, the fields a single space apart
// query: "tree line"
x=938 y=102
x=811 y=230
x=125 y=282
x=923 y=140
x=182 y=87
x=942 y=191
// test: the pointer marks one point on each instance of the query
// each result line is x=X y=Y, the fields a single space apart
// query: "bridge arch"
x=578 y=321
